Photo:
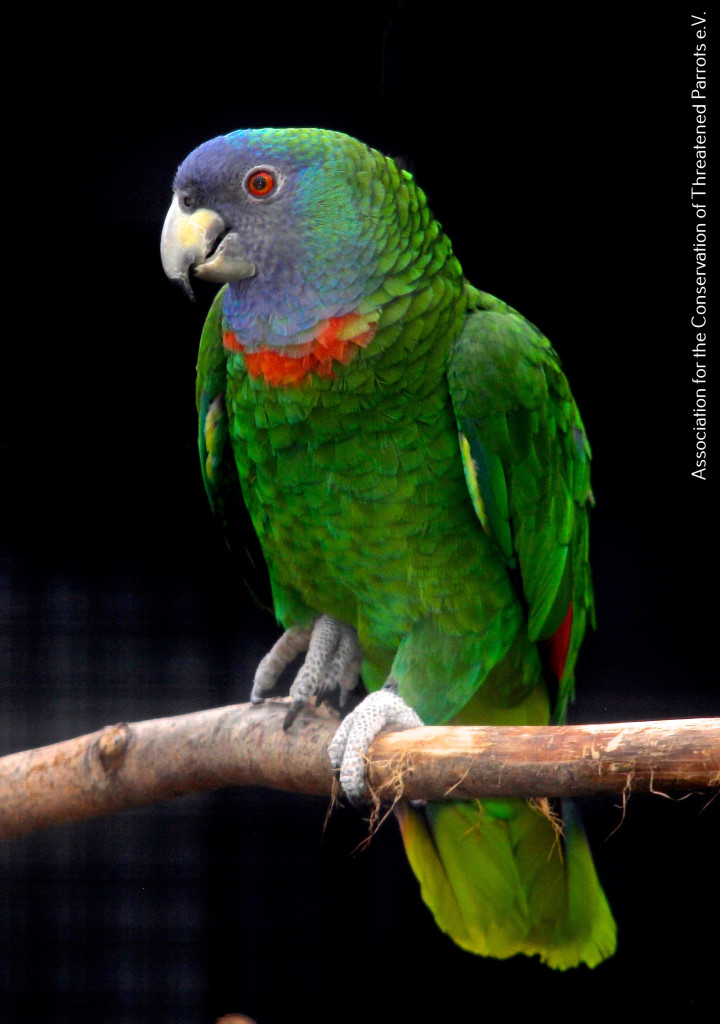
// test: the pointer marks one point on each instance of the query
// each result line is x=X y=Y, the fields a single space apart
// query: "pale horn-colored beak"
x=189 y=242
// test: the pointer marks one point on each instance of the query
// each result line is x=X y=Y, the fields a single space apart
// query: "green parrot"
x=417 y=474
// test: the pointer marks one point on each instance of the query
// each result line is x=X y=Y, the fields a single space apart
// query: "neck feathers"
x=335 y=340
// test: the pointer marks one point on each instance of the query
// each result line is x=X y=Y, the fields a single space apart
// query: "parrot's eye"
x=260 y=182
x=186 y=200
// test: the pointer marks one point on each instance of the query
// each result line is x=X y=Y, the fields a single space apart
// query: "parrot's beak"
x=199 y=240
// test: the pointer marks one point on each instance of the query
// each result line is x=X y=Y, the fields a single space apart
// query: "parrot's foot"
x=348 y=750
x=332 y=662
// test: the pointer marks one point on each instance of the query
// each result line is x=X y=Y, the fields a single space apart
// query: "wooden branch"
x=125 y=766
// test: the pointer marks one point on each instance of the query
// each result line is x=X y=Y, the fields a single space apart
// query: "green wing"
x=217 y=461
x=527 y=466
x=216 y=458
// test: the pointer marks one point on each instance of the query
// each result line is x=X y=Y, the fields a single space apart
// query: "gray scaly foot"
x=332 y=661
x=348 y=750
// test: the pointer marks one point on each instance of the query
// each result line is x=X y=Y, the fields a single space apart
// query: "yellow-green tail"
x=500 y=880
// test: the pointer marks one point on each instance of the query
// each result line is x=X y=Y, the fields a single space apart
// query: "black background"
x=556 y=149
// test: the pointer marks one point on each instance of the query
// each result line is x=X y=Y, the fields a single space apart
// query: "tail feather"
x=500 y=881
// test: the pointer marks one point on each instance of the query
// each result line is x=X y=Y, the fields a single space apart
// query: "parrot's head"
x=301 y=222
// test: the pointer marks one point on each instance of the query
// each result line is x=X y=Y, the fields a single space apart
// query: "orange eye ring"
x=260 y=182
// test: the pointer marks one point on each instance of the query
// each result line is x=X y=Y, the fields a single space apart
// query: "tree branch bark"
x=125 y=766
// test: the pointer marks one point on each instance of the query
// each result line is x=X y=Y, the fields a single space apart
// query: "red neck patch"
x=338 y=339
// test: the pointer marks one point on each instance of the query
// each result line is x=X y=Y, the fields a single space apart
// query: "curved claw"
x=354 y=737
x=293 y=711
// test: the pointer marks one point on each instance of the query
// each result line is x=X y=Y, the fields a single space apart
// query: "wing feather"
x=217 y=461
x=527 y=466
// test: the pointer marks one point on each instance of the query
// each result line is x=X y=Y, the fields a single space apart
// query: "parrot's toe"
x=350 y=744
x=293 y=642
x=332 y=662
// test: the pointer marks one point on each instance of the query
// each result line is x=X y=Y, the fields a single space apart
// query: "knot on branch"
x=109 y=750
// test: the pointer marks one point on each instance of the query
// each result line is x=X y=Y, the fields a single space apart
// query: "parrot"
x=417 y=474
